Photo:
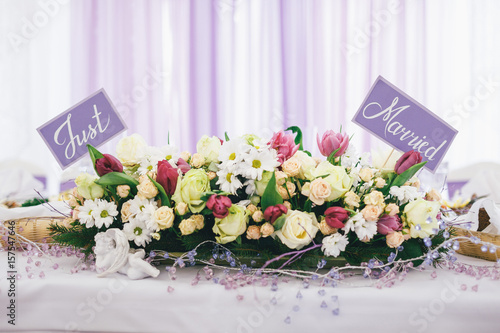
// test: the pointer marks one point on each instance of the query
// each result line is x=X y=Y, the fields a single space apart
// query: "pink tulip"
x=219 y=205
x=166 y=176
x=332 y=141
x=409 y=159
x=108 y=164
x=183 y=165
x=284 y=145
x=336 y=216
x=387 y=224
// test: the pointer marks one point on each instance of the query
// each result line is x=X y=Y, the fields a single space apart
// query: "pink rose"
x=273 y=212
x=219 y=205
x=108 y=164
x=167 y=176
x=284 y=145
x=409 y=159
x=388 y=224
x=183 y=165
x=336 y=216
x=332 y=141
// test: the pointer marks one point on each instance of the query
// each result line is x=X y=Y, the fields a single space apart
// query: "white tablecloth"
x=65 y=302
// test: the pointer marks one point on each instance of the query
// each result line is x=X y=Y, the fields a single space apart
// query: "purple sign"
x=92 y=121
x=405 y=124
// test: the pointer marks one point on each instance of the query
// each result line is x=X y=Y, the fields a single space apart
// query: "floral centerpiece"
x=266 y=198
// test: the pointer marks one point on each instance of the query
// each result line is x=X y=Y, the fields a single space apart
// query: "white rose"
x=298 y=230
x=423 y=213
x=209 y=148
x=128 y=149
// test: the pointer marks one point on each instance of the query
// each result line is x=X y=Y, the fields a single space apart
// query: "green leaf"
x=117 y=178
x=331 y=158
x=206 y=195
x=412 y=250
x=405 y=176
x=94 y=155
x=387 y=187
x=238 y=240
x=165 y=201
x=271 y=197
x=298 y=137
x=226 y=136
x=308 y=206
x=280 y=221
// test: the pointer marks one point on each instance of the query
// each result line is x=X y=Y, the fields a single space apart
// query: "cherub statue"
x=113 y=254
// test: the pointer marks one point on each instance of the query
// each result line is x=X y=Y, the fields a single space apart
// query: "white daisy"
x=334 y=244
x=136 y=231
x=228 y=180
x=365 y=230
x=85 y=215
x=138 y=204
x=404 y=193
x=257 y=161
x=231 y=152
x=104 y=213
x=169 y=153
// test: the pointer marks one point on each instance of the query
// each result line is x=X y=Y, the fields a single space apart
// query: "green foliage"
x=34 y=202
x=298 y=137
x=405 y=176
x=271 y=197
x=76 y=235
x=165 y=201
x=117 y=178
x=94 y=155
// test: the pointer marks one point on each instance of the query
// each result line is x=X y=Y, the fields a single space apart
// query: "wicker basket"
x=34 y=229
x=474 y=250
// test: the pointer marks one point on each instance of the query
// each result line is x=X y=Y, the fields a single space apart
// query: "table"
x=66 y=302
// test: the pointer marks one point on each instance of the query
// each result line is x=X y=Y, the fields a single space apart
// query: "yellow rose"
x=298 y=230
x=209 y=148
x=189 y=190
x=164 y=216
x=423 y=213
x=339 y=180
x=233 y=225
x=129 y=148
x=87 y=188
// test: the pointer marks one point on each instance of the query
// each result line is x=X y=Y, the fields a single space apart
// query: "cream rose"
x=164 y=217
x=257 y=216
x=189 y=190
x=298 y=230
x=307 y=164
x=199 y=221
x=187 y=227
x=147 y=189
x=251 y=209
x=318 y=191
x=129 y=148
x=253 y=232
x=371 y=212
x=423 y=213
x=366 y=174
x=232 y=226
x=181 y=208
x=380 y=182
x=352 y=199
x=266 y=229
x=325 y=228
x=125 y=212
x=123 y=191
x=375 y=198
x=287 y=192
x=392 y=209
x=339 y=180
x=394 y=239
x=433 y=195
x=185 y=155
x=197 y=160
x=291 y=167
x=209 y=148
x=280 y=178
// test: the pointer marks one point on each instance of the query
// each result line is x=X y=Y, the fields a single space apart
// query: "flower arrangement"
x=266 y=198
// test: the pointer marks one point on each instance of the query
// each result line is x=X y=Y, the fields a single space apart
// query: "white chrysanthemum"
x=350 y=157
x=85 y=215
x=334 y=244
x=228 y=180
x=137 y=231
x=349 y=225
x=169 y=153
x=257 y=161
x=104 y=213
x=148 y=216
x=138 y=204
x=231 y=153
x=250 y=187
x=148 y=159
x=404 y=193
x=365 y=230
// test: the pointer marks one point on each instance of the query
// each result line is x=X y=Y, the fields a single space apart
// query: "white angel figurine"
x=113 y=254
